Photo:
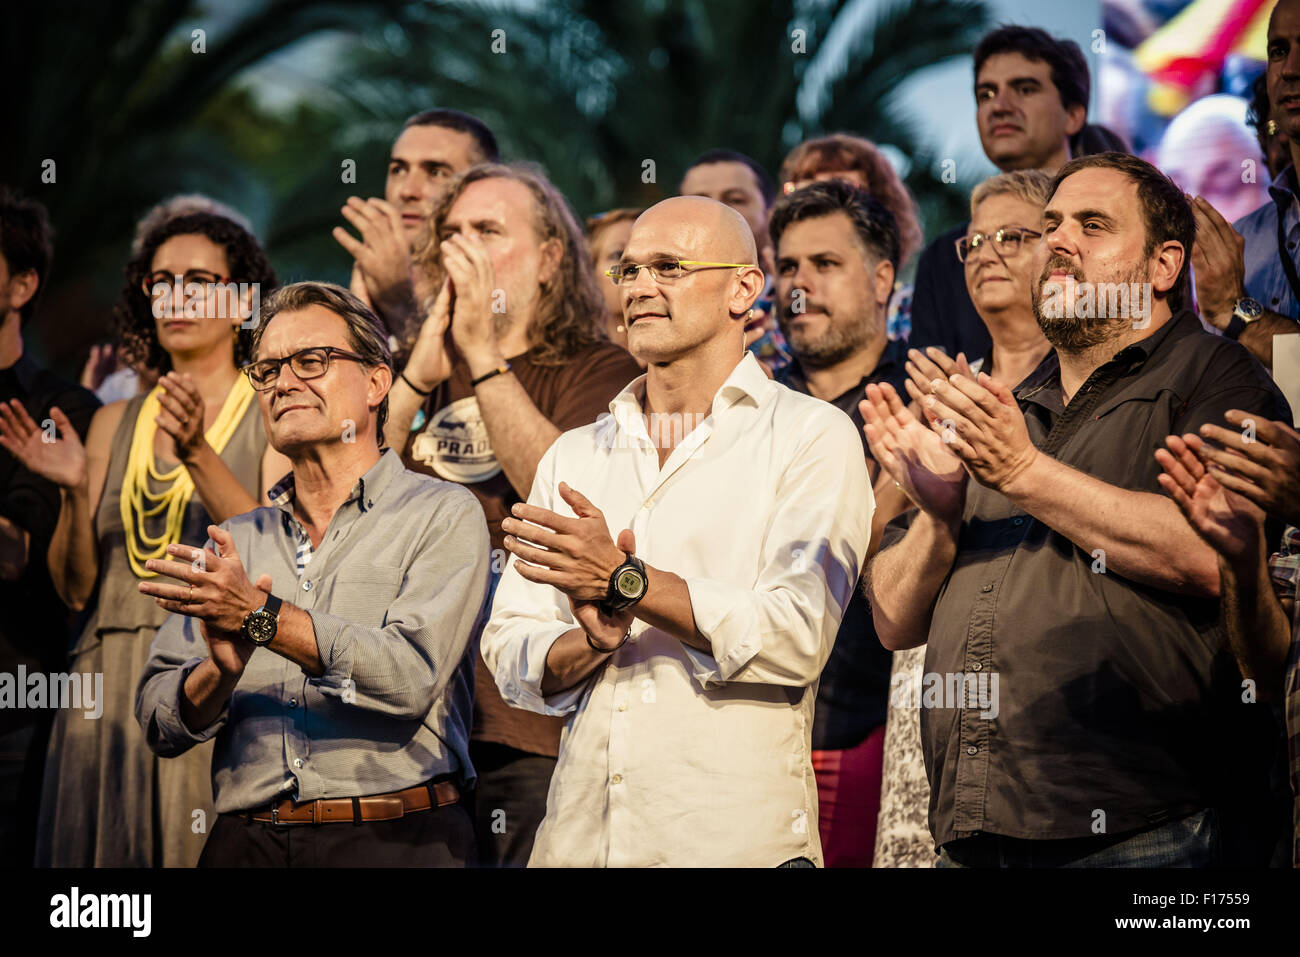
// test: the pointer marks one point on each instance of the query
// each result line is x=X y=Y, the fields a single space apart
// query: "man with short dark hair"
x=836 y=255
x=432 y=148
x=734 y=179
x=33 y=627
x=349 y=707
x=1091 y=713
x=1031 y=102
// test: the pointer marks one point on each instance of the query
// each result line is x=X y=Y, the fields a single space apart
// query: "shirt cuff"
x=726 y=616
x=521 y=685
x=170 y=722
x=337 y=655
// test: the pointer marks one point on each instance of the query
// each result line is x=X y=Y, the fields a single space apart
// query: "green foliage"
x=588 y=88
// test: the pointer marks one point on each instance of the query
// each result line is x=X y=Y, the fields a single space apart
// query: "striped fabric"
x=281 y=496
x=303 y=554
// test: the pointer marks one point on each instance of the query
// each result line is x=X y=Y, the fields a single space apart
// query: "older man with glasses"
x=677 y=602
x=341 y=719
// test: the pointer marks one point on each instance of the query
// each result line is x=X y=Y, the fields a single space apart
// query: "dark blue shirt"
x=853 y=695
x=942 y=313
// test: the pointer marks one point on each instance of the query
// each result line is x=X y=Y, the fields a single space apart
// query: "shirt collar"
x=365 y=492
x=893 y=357
x=747 y=380
x=1283 y=188
x=1180 y=324
x=26 y=370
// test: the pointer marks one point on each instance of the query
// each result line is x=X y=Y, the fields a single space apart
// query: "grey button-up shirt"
x=396 y=593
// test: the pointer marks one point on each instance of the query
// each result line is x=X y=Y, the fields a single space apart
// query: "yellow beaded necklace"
x=140 y=466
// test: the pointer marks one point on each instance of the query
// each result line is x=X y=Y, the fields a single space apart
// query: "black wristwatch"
x=627 y=586
x=1244 y=312
x=260 y=623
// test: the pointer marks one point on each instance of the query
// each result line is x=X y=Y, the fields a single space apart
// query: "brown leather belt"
x=376 y=807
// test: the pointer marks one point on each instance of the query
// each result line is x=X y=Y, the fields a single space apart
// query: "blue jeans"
x=1192 y=841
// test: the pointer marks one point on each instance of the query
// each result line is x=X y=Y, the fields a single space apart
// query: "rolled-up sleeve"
x=781 y=630
x=527 y=619
x=177 y=649
x=401 y=668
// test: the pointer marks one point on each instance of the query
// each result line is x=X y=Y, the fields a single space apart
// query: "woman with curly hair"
x=155 y=470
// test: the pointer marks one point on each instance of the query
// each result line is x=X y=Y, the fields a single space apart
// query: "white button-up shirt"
x=672 y=756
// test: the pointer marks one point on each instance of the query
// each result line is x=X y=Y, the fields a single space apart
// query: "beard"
x=1074 y=334
x=838 y=341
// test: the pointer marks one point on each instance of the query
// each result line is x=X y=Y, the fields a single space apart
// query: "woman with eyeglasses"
x=154 y=470
x=997 y=254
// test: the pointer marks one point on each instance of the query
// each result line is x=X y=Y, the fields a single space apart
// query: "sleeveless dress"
x=107 y=800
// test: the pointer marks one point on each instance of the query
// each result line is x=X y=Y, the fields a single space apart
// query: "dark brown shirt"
x=1115 y=702
x=450 y=441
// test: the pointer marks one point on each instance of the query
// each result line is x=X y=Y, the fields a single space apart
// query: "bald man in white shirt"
x=678 y=576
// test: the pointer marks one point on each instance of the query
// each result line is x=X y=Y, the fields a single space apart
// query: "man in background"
x=432 y=149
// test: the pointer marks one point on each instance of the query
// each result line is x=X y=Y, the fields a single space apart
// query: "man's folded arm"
x=177 y=649
x=781 y=630
x=401 y=668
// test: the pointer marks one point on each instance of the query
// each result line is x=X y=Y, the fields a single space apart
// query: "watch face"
x=259 y=627
x=630 y=583
x=1249 y=309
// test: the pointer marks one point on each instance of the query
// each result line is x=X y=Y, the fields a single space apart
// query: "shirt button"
x=1018 y=520
x=977 y=667
x=972 y=750
x=622 y=706
x=986 y=588
x=616 y=779
x=293 y=702
x=649 y=503
x=297 y=762
x=306 y=586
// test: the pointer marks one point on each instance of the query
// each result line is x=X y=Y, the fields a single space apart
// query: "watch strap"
x=272 y=604
x=1235 y=327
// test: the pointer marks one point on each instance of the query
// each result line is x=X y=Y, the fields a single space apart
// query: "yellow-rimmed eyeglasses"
x=1006 y=242
x=666 y=269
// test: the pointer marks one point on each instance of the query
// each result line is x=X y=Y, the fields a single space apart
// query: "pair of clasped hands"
x=959 y=424
x=1224 y=479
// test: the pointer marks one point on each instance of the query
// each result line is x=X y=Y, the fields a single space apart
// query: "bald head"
x=1289 y=6
x=705 y=229
x=702 y=309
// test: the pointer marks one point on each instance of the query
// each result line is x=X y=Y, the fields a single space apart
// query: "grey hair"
x=365 y=332
x=1032 y=185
